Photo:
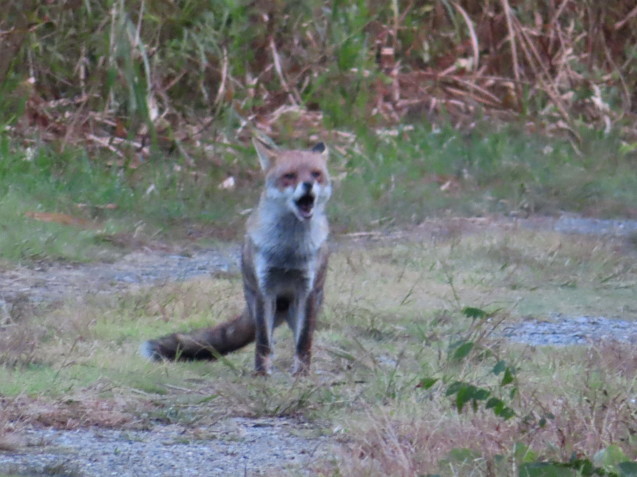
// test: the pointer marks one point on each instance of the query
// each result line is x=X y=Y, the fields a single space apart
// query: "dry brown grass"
x=563 y=420
x=71 y=412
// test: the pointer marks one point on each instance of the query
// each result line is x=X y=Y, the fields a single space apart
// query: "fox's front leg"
x=264 y=313
x=305 y=322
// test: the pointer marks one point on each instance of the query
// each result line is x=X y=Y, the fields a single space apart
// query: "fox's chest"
x=288 y=256
x=286 y=268
x=285 y=252
x=286 y=282
x=289 y=244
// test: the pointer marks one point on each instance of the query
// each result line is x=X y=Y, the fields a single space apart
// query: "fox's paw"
x=263 y=365
x=301 y=366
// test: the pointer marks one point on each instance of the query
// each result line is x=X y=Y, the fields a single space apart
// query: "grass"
x=66 y=205
x=394 y=337
x=73 y=206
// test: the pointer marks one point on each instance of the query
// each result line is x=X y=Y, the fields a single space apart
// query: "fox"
x=284 y=261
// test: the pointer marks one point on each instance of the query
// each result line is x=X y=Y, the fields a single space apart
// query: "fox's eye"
x=316 y=174
x=290 y=176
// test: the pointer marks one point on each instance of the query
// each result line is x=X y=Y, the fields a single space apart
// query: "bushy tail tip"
x=148 y=349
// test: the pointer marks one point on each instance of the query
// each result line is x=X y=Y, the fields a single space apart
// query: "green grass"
x=500 y=171
x=380 y=181
x=392 y=340
x=108 y=205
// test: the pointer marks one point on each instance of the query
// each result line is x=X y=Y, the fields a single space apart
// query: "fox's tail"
x=204 y=343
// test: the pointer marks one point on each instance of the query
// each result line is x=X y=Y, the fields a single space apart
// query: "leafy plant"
x=468 y=393
x=582 y=467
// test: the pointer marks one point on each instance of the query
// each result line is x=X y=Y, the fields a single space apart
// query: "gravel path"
x=577 y=225
x=54 y=281
x=236 y=446
x=561 y=330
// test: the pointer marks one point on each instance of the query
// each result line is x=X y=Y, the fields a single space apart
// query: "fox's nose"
x=307 y=186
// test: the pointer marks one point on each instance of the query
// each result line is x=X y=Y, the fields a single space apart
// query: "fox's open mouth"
x=305 y=204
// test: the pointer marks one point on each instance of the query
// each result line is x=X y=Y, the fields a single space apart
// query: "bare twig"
x=279 y=71
x=620 y=24
x=514 y=51
x=472 y=34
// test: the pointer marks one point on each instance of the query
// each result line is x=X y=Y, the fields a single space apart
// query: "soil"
x=236 y=446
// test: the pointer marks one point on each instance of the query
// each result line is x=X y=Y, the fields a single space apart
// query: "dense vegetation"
x=139 y=68
x=429 y=106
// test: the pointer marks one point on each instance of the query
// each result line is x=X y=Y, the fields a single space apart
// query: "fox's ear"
x=266 y=152
x=321 y=149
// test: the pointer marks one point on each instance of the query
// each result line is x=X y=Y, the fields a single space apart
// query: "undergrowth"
x=143 y=71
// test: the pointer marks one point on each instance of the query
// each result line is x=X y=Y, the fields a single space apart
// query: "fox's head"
x=297 y=180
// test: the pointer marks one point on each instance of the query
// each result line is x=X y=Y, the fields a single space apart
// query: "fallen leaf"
x=228 y=184
x=58 y=218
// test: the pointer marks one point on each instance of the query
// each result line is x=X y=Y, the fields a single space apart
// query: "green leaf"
x=474 y=313
x=480 y=394
x=463 y=350
x=464 y=395
x=499 y=408
x=505 y=413
x=499 y=367
x=609 y=457
x=494 y=403
x=426 y=383
x=454 y=388
x=508 y=377
x=628 y=469
x=523 y=453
